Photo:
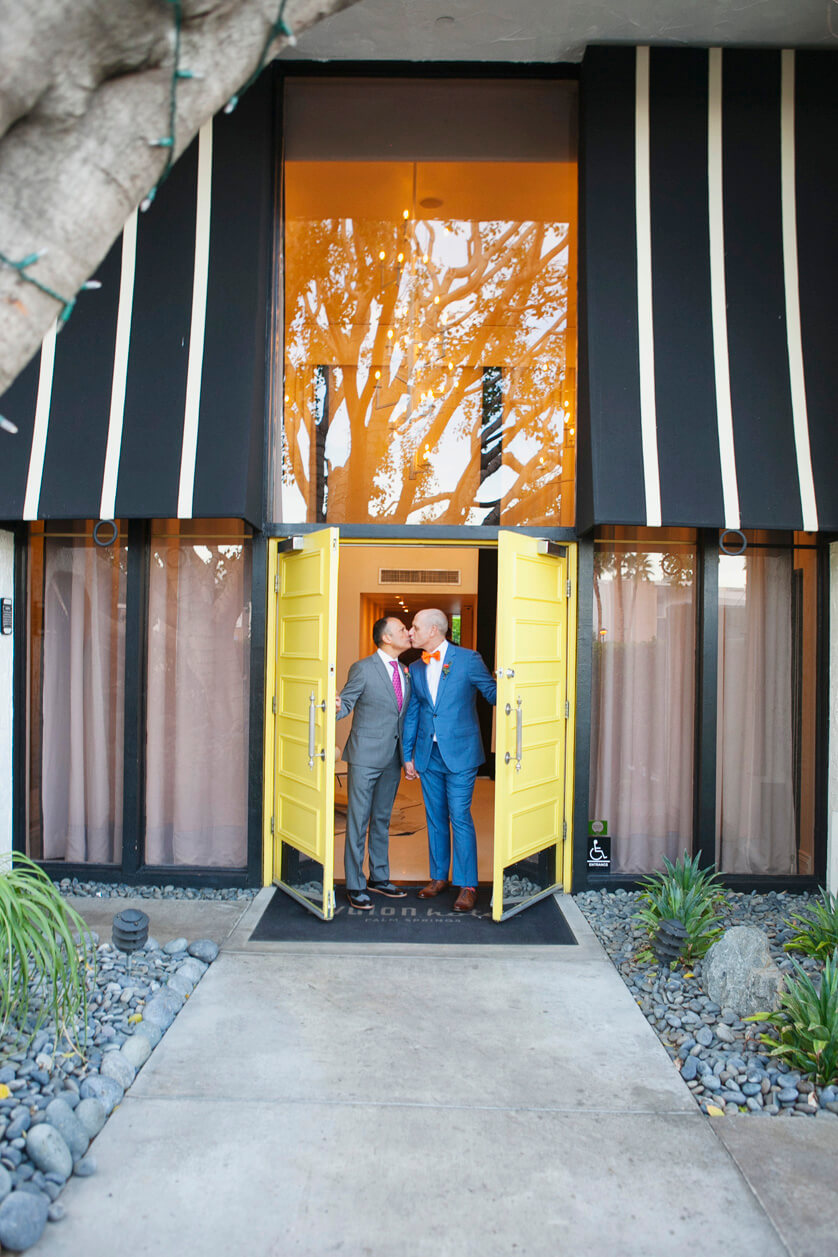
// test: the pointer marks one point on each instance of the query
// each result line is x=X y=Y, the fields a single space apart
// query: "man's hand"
x=409 y=771
x=337 y=703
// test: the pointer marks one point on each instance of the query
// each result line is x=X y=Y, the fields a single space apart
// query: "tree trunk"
x=84 y=96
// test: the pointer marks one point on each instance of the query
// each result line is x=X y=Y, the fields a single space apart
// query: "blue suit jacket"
x=453 y=718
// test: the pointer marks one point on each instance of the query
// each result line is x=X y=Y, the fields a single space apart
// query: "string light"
x=168 y=141
x=22 y=270
x=280 y=27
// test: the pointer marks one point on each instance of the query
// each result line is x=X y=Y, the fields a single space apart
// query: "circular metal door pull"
x=508 y=709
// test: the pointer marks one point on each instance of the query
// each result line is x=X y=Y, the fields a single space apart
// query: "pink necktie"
x=397 y=682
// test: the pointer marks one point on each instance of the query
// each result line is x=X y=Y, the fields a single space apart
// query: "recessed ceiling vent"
x=418 y=576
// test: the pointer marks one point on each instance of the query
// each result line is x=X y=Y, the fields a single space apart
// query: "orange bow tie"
x=426 y=658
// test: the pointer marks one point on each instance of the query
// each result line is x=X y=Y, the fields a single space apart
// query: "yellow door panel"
x=303 y=735
x=531 y=740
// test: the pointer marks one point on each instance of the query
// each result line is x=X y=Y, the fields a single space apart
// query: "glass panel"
x=302 y=874
x=766 y=710
x=198 y=694
x=76 y=686
x=528 y=878
x=430 y=318
x=643 y=694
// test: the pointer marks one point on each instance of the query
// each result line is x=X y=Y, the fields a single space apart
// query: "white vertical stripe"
x=718 y=291
x=186 y=487
x=790 y=274
x=39 y=434
x=645 y=327
x=107 y=506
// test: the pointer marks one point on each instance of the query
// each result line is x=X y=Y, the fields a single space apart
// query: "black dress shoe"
x=388 y=889
x=359 y=899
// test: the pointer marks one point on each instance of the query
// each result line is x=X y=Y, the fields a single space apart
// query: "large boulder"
x=739 y=973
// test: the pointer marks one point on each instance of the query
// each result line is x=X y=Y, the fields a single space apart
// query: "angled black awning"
x=708 y=288
x=150 y=402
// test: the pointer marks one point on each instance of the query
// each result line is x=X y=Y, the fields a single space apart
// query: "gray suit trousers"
x=371 y=793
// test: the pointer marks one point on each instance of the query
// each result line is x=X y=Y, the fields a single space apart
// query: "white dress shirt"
x=434 y=671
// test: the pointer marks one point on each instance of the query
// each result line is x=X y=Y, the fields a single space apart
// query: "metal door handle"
x=519 y=734
x=312 y=716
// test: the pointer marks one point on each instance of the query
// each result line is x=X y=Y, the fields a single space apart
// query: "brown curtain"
x=198 y=698
x=755 y=820
x=642 y=707
x=82 y=700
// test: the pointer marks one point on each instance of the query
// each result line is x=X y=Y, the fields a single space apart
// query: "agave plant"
x=45 y=952
x=806 y=1023
x=816 y=926
x=686 y=893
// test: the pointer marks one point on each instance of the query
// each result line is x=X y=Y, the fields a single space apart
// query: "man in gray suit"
x=376 y=691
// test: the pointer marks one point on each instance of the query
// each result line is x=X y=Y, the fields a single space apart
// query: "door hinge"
x=569 y=588
x=273 y=704
x=564 y=829
x=272 y=824
x=276 y=582
x=567 y=709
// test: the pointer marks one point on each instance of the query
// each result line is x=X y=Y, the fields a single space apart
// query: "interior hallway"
x=409 y=831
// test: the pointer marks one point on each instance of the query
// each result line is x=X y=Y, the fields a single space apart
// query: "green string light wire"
x=22 y=269
x=168 y=141
x=280 y=27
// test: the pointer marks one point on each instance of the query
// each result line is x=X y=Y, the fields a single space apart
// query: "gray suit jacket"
x=377 y=722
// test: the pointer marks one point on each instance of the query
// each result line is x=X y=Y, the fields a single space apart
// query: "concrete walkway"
x=439 y=1101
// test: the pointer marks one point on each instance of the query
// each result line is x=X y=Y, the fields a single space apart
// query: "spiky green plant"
x=686 y=893
x=43 y=965
x=816 y=926
x=806 y=1023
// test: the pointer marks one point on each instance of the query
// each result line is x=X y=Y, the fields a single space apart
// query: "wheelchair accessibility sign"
x=599 y=846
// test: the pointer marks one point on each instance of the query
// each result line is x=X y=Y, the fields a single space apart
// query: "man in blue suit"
x=442 y=746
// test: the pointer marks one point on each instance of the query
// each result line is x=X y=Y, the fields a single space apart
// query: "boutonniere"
x=446 y=668
x=405 y=670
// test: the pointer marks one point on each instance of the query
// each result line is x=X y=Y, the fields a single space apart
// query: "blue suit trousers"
x=448 y=798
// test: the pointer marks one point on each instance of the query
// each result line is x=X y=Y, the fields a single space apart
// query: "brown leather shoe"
x=433 y=888
x=466 y=899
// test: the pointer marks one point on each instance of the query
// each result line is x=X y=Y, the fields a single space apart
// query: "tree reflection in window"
x=430 y=361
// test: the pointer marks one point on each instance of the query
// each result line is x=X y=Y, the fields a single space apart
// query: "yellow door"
x=304 y=624
x=532 y=807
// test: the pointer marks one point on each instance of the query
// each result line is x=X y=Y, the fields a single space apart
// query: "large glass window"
x=76 y=685
x=767 y=707
x=643 y=694
x=430 y=303
x=198 y=694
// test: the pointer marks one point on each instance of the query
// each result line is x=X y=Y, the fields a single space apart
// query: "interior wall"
x=7 y=567
x=358 y=574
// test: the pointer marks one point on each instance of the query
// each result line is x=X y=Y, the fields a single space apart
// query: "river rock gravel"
x=57 y=1090
x=122 y=890
x=719 y=1056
